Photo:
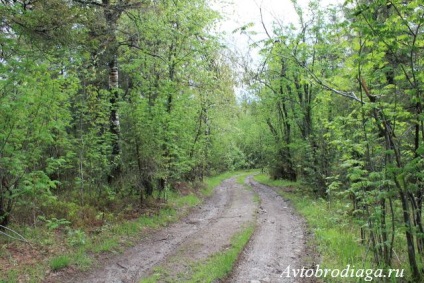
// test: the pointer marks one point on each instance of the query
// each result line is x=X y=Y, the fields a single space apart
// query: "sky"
x=238 y=13
x=245 y=11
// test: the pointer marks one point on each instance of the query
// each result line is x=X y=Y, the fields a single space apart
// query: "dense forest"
x=111 y=98
x=104 y=103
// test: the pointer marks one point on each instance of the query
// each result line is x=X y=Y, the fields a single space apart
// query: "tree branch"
x=347 y=94
x=131 y=45
x=263 y=23
x=19 y=238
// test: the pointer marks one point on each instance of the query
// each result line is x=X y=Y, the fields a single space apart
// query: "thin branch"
x=263 y=23
x=131 y=45
x=19 y=238
x=404 y=21
x=347 y=94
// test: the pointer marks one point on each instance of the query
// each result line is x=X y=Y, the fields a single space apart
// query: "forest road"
x=278 y=241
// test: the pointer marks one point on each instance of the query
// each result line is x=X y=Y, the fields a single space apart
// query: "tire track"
x=277 y=243
x=216 y=237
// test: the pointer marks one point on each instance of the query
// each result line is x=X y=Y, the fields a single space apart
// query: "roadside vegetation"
x=56 y=244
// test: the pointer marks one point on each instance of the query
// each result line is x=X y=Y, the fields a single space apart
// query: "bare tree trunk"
x=115 y=128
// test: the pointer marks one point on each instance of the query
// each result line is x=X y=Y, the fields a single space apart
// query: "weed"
x=76 y=237
x=106 y=245
x=82 y=260
x=54 y=223
x=59 y=262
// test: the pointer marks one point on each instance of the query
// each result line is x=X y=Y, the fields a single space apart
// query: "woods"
x=106 y=103
x=112 y=98
x=342 y=96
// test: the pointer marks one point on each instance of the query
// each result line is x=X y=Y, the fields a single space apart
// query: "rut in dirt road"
x=278 y=242
x=239 y=213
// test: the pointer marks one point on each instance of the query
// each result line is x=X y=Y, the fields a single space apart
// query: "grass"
x=59 y=262
x=67 y=247
x=106 y=245
x=213 y=269
x=336 y=234
x=189 y=200
x=81 y=260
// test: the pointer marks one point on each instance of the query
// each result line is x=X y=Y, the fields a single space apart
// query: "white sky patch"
x=239 y=13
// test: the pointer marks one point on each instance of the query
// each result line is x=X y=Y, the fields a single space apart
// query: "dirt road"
x=277 y=242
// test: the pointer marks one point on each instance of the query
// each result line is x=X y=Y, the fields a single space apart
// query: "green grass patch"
x=336 y=234
x=59 y=262
x=189 y=200
x=106 y=245
x=213 y=269
x=81 y=260
x=256 y=198
x=220 y=265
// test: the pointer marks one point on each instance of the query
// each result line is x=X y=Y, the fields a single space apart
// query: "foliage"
x=343 y=102
x=107 y=104
x=132 y=105
x=54 y=223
